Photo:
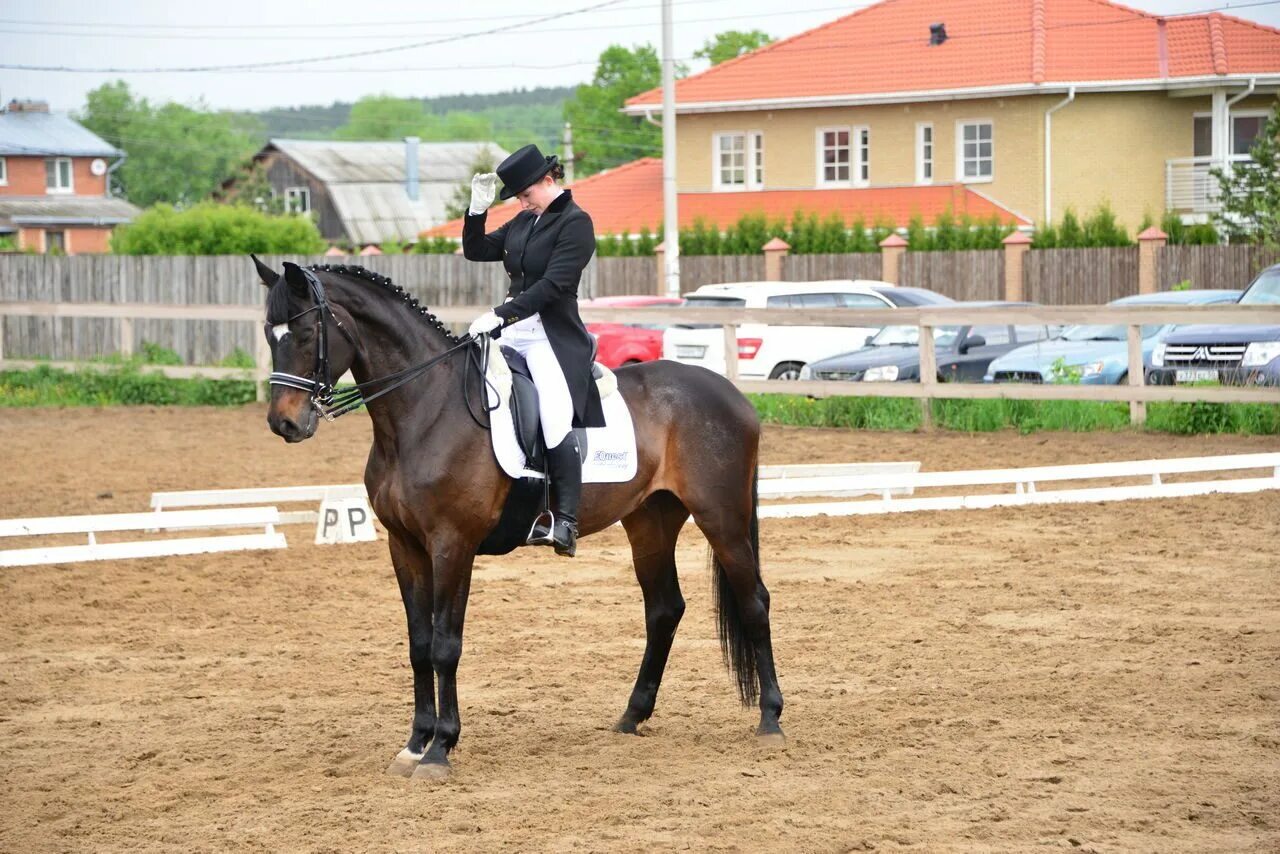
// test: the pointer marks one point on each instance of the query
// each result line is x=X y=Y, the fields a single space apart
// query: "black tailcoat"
x=545 y=263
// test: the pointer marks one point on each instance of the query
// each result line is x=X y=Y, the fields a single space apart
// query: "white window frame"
x=1232 y=115
x=921 y=160
x=752 y=145
x=4 y=172
x=961 y=124
x=859 y=156
x=57 y=168
x=291 y=193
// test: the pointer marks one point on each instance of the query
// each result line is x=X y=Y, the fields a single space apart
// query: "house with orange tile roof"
x=1031 y=106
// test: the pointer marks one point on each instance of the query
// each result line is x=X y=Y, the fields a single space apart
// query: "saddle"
x=524 y=408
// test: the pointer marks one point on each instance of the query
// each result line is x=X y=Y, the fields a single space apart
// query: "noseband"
x=330 y=403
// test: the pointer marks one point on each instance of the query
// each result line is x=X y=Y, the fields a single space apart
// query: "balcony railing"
x=1190 y=188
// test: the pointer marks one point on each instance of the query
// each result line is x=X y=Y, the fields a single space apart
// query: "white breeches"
x=555 y=405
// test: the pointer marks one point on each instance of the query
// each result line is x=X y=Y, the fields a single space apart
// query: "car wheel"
x=786 y=371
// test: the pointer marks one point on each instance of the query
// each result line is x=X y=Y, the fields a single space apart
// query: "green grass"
x=122 y=385
x=1027 y=416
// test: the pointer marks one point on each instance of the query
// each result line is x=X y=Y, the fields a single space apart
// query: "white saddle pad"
x=611 y=450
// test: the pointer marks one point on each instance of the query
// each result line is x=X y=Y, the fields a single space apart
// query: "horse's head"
x=310 y=348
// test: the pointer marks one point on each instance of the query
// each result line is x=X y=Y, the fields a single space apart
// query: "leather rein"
x=333 y=403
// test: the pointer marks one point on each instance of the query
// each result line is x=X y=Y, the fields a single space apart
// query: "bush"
x=123 y=385
x=213 y=229
x=1098 y=229
x=435 y=246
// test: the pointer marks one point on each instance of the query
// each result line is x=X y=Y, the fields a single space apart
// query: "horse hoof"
x=404 y=763
x=773 y=740
x=625 y=726
x=433 y=772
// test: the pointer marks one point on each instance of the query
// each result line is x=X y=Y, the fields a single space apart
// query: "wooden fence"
x=1080 y=276
x=968 y=275
x=1211 y=266
x=816 y=268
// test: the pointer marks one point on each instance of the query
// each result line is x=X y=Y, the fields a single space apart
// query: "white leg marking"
x=409 y=756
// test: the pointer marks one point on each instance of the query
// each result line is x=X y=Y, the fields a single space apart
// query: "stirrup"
x=542 y=531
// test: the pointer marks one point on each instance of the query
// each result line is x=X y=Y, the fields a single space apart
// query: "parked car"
x=619 y=344
x=1233 y=355
x=908 y=297
x=1098 y=354
x=774 y=352
x=893 y=354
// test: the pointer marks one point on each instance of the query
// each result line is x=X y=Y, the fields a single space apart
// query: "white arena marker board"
x=248 y=517
x=163 y=501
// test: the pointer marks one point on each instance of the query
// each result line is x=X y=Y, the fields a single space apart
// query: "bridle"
x=331 y=403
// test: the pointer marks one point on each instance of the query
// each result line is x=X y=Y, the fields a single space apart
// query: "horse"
x=435 y=486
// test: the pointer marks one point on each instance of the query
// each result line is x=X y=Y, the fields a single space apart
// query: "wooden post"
x=891 y=249
x=1015 y=247
x=774 y=251
x=1149 y=244
x=660 y=256
x=126 y=336
x=1137 y=371
x=262 y=368
x=928 y=375
x=731 y=352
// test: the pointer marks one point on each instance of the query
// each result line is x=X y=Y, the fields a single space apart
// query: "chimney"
x=937 y=34
x=16 y=106
x=411 y=167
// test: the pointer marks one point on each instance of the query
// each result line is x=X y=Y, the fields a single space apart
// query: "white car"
x=774 y=352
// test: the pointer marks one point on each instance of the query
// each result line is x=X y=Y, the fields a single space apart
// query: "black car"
x=1233 y=355
x=893 y=354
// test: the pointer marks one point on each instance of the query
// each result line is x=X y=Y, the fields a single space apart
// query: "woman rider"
x=544 y=249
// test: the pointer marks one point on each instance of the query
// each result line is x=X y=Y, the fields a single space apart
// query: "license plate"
x=690 y=351
x=1196 y=375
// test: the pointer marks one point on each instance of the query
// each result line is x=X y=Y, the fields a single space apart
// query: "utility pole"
x=670 y=223
x=566 y=153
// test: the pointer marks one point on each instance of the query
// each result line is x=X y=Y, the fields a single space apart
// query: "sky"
x=534 y=51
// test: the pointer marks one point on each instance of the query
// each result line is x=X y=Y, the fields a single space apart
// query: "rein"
x=333 y=404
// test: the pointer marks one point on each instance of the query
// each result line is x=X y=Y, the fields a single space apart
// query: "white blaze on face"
x=280 y=330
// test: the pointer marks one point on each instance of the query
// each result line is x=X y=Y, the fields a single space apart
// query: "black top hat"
x=522 y=169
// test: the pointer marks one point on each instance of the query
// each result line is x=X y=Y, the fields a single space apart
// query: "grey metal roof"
x=66 y=210
x=366 y=181
x=42 y=134
x=336 y=162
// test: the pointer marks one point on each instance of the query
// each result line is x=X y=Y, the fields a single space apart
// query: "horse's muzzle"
x=296 y=429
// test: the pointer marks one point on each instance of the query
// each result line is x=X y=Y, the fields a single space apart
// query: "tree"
x=383 y=117
x=730 y=44
x=603 y=137
x=176 y=154
x=1250 y=192
x=209 y=228
x=460 y=201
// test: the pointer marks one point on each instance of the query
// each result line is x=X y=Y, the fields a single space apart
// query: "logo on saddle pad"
x=614 y=459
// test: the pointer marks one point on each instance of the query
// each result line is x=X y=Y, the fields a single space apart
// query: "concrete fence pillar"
x=660 y=256
x=891 y=249
x=1149 y=242
x=774 y=251
x=1016 y=246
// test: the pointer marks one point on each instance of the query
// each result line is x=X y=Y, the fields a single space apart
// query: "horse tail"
x=738 y=649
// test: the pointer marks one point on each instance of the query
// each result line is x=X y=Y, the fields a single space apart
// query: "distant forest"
x=515 y=117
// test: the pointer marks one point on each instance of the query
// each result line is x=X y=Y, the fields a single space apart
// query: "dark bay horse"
x=436 y=487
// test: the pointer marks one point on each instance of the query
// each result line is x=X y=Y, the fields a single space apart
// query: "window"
x=55 y=242
x=993 y=334
x=739 y=160
x=57 y=175
x=4 y=173
x=297 y=200
x=974 y=151
x=833 y=146
x=861 y=301
x=844 y=156
x=924 y=153
x=1245 y=128
x=1031 y=333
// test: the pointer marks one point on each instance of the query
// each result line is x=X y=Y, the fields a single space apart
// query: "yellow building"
x=1038 y=105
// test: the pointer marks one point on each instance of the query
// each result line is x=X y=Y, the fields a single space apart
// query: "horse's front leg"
x=413 y=572
x=451 y=577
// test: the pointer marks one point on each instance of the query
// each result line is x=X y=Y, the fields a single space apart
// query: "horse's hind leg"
x=653 y=529
x=742 y=602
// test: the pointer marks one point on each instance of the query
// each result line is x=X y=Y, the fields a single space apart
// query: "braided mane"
x=357 y=272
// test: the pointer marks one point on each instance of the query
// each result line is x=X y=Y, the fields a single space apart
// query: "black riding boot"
x=565 y=469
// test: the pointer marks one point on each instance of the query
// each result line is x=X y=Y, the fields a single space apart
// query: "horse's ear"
x=268 y=275
x=293 y=275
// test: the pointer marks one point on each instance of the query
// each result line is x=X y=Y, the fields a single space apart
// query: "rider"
x=544 y=249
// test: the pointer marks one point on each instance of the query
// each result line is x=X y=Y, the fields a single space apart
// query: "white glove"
x=483 y=187
x=484 y=324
